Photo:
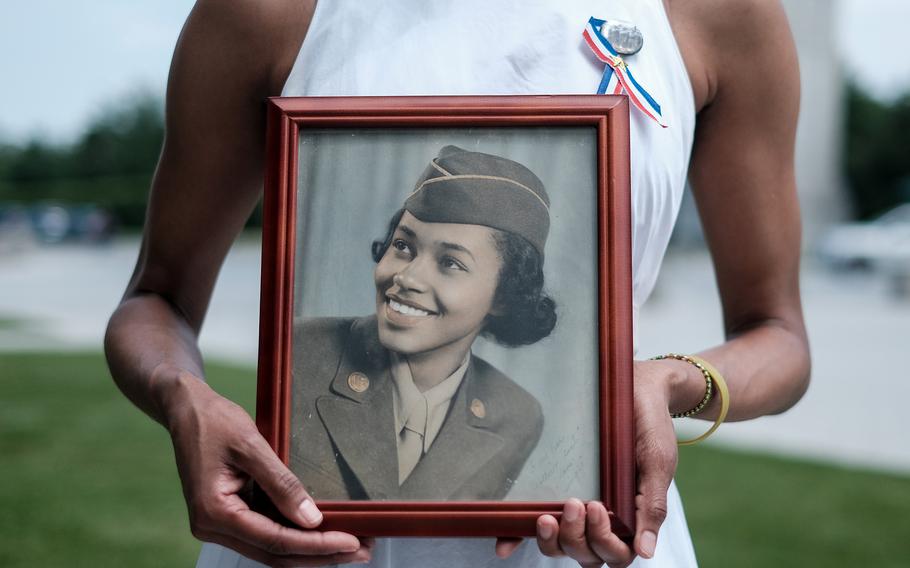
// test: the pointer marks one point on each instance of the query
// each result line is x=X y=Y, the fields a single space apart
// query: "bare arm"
x=205 y=186
x=742 y=62
x=230 y=56
x=742 y=175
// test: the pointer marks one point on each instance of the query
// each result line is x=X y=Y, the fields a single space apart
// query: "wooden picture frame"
x=316 y=128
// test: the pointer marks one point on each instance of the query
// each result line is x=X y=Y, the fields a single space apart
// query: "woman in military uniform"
x=394 y=405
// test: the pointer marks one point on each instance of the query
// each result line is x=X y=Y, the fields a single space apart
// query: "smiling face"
x=435 y=286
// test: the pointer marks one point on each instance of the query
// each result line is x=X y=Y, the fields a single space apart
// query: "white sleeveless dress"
x=445 y=47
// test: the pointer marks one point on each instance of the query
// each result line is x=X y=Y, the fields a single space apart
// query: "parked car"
x=16 y=233
x=882 y=242
x=53 y=223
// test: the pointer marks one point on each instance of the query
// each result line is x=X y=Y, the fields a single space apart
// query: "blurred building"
x=820 y=134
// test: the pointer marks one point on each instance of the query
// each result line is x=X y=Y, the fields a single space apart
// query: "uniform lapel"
x=360 y=420
x=461 y=448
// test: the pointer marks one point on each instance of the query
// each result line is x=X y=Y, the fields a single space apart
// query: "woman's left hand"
x=584 y=533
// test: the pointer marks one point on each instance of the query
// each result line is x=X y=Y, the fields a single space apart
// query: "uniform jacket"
x=343 y=439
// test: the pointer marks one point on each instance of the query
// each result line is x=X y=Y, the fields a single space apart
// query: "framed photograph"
x=446 y=336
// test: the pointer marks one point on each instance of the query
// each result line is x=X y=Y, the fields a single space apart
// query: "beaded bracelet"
x=709 y=384
x=712 y=378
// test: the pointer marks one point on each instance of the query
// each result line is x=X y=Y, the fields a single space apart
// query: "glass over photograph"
x=445 y=329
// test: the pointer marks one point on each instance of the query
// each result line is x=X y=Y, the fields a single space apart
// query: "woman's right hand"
x=219 y=452
x=584 y=531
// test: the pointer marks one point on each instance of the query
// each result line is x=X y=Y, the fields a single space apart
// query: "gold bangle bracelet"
x=714 y=381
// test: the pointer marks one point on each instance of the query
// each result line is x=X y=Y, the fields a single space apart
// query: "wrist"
x=686 y=385
x=714 y=381
x=174 y=391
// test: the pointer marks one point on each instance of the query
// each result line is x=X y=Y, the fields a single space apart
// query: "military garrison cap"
x=474 y=188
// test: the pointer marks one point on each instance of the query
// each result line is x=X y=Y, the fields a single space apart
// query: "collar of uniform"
x=407 y=395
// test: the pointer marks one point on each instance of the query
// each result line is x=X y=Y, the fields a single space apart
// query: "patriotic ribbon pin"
x=617 y=77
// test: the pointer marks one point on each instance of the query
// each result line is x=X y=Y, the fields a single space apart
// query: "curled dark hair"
x=381 y=245
x=526 y=313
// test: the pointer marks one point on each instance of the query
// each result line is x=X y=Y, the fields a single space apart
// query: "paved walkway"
x=60 y=298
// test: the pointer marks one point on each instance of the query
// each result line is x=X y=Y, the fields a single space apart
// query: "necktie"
x=410 y=442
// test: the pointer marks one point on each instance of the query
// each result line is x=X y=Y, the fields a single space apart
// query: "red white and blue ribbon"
x=617 y=77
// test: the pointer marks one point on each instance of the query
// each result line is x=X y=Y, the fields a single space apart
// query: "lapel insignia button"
x=478 y=409
x=358 y=382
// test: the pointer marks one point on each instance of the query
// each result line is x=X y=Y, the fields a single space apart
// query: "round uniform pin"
x=358 y=382
x=478 y=409
x=625 y=38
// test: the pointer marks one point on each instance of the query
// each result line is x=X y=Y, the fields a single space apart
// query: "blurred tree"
x=110 y=165
x=878 y=152
x=36 y=161
x=124 y=142
x=8 y=154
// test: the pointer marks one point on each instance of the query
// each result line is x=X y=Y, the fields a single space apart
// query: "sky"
x=64 y=62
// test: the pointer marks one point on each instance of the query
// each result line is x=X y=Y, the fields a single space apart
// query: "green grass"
x=87 y=480
x=755 y=510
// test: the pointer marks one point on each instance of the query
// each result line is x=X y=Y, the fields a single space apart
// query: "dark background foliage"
x=111 y=164
x=877 y=153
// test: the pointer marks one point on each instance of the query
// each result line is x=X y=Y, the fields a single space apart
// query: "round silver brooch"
x=625 y=38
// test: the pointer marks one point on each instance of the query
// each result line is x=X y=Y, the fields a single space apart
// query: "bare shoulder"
x=230 y=56
x=723 y=41
x=256 y=37
x=742 y=57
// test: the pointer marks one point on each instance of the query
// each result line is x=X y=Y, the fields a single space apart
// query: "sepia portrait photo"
x=445 y=314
